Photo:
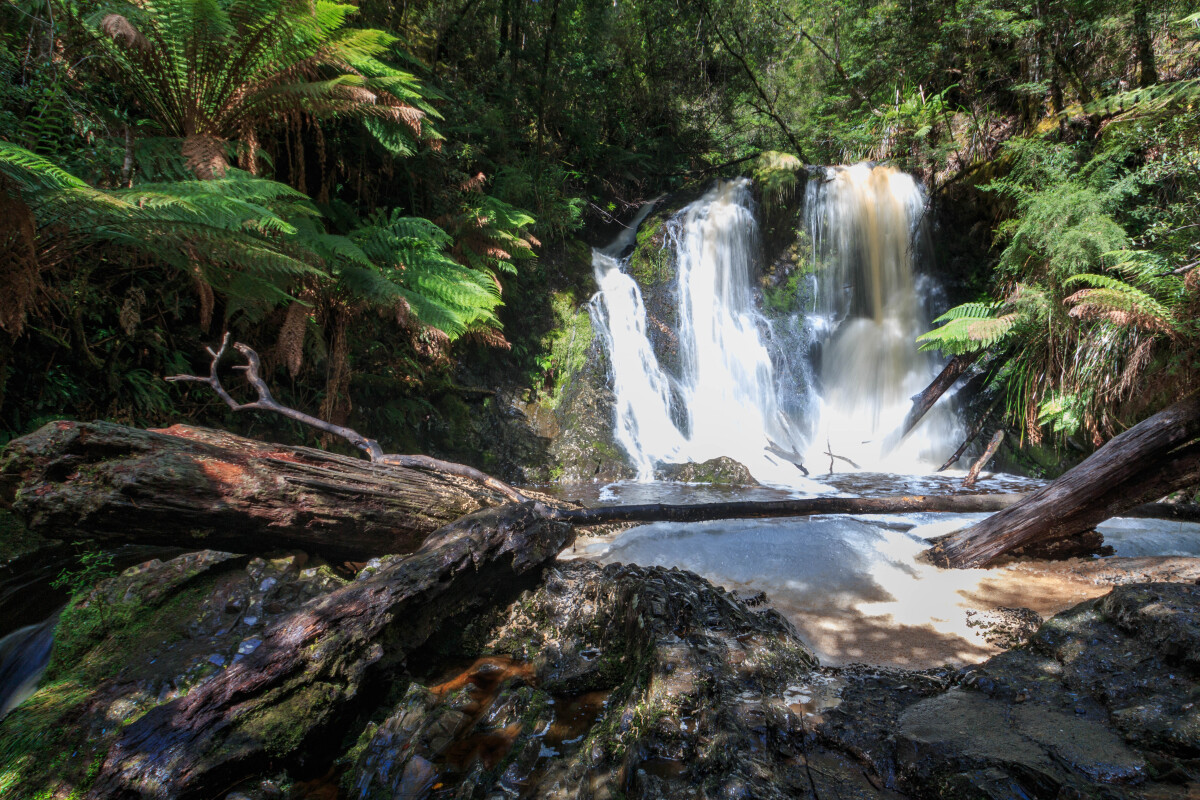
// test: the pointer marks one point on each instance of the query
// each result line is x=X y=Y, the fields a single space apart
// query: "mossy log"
x=1153 y=458
x=196 y=487
x=303 y=683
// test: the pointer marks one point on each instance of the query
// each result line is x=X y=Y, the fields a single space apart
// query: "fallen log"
x=196 y=487
x=805 y=507
x=301 y=683
x=1153 y=458
x=931 y=393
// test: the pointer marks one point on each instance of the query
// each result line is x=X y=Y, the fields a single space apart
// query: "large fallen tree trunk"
x=195 y=487
x=1153 y=458
x=311 y=666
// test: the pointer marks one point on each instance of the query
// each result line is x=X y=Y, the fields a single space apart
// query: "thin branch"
x=829 y=452
x=769 y=111
x=266 y=402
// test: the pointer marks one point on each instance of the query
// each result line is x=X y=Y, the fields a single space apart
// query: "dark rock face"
x=583 y=443
x=721 y=471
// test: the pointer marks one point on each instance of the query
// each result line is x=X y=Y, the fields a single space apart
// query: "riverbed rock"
x=1005 y=627
x=1100 y=702
x=594 y=682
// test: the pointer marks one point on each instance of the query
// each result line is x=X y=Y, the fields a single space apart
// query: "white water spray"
x=724 y=401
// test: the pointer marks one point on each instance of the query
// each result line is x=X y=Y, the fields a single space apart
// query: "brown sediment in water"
x=485 y=680
x=483 y=677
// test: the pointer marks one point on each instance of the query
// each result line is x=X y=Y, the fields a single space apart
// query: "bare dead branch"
x=829 y=452
x=266 y=402
x=988 y=453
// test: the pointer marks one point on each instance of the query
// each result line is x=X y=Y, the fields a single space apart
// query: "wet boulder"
x=720 y=471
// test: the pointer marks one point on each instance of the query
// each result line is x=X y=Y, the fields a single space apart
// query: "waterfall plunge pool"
x=853 y=586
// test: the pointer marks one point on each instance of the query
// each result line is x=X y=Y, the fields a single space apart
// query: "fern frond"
x=969 y=311
x=969 y=334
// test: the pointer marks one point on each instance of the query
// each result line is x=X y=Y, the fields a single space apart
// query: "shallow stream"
x=854 y=586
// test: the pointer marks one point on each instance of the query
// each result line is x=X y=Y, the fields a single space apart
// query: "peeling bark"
x=198 y=487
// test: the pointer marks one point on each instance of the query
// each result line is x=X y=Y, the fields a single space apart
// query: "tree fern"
x=212 y=70
x=237 y=233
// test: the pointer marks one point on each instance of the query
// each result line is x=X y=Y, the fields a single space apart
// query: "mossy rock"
x=720 y=471
x=650 y=263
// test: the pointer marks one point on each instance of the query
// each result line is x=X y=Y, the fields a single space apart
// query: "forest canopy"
x=391 y=199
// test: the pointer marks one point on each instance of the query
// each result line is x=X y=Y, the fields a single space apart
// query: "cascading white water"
x=865 y=223
x=727 y=398
x=725 y=395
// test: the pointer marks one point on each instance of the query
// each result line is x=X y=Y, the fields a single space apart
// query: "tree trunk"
x=1153 y=458
x=314 y=665
x=1143 y=43
x=945 y=379
x=195 y=487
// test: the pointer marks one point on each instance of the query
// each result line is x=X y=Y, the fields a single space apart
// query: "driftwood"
x=195 y=487
x=829 y=452
x=372 y=449
x=989 y=453
x=319 y=660
x=795 y=459
x=945 y=379
x=1153 y=458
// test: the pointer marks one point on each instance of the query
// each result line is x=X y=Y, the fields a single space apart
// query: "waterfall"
x=723 y=402
x=24 y=656
x=727 y=396
x=866 y=224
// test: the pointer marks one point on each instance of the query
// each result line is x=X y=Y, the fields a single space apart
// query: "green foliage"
x=210 y=71
x=406 y=265
x=1091 y=311
x=94 y=566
